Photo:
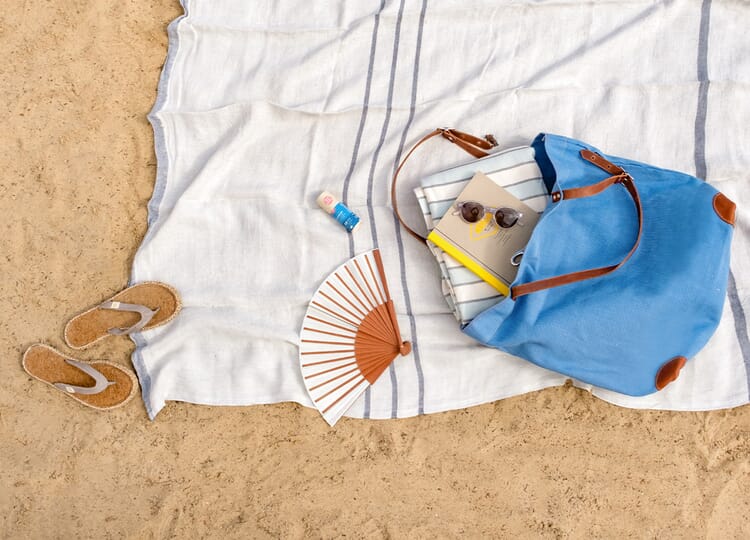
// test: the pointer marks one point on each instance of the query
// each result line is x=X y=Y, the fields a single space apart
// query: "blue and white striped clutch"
x=515 y=170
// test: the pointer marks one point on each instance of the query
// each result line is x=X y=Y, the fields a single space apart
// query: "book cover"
x=483 y=247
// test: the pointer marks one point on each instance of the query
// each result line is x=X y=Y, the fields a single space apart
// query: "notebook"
x=483 y=247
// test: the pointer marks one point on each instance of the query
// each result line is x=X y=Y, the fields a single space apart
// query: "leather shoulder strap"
x=619 y=177
x=469 y=143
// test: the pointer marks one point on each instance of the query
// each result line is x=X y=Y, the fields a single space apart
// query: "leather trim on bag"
x=600 y=162
x=487 y=143
x=469 y=143
x=669 y=371
x=724 y=208
x=587 y=191
x=593 y=189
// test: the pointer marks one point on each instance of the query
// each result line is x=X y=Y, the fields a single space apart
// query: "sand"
x=76 y=154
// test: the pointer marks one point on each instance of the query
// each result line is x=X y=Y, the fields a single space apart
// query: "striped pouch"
x=515 y=170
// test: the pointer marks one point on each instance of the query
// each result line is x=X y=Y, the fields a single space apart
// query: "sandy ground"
x=76 y=82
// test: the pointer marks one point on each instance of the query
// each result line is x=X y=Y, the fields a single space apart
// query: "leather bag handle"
x=619 y=176
x=469 y=143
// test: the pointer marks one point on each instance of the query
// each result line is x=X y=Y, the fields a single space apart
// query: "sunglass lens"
x=472 y=212
x=506 y=217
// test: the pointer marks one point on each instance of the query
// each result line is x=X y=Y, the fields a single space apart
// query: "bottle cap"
x=327 y=202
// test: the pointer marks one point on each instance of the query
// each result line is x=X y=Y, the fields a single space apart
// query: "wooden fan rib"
x=375 y=334
x=342 y=396
x=373 y=372
x=372 y=332
x=367 y=283
x=329 y=381
x=383 y=299
x=367 y=341
x=331 y=312
x=325 y=342
x=382 y=281
x=328 y=352
x=391 y=311
x=342 y=366
x=354 y=280
x=361 y=302
x=381 y=329
x=368 y=358
x=379 y=323
x=386 y=327
x=375 y=328
x=331 y=324
x=381 y=360
x=381 y=271
x=310 y=364
x=337 y=304
x=390 y=324
x=347 y=300
x=365 y=354
x=382 y=317
x=363 y=344
x=340 y=406
x=332 y=390
x=334 y=334
x=375 y=360
x=377 y=365
x=389 y=303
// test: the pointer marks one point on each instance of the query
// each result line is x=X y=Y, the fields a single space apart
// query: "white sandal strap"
x=145 y=313
x=101 y=382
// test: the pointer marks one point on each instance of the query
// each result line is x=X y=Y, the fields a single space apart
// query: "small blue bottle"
x=348 y=219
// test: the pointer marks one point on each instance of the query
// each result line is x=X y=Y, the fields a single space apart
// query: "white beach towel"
x=262 y=105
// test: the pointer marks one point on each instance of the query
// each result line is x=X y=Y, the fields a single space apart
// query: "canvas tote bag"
x=624 y=278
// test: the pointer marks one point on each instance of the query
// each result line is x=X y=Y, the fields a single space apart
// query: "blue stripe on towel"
x=701 y=171
x=399 y=237
x=357 y=141
x=371 y=177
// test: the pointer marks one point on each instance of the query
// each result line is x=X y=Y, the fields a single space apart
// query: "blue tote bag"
x=624 y=277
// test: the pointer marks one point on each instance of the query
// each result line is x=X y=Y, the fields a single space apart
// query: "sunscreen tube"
x=348 y=219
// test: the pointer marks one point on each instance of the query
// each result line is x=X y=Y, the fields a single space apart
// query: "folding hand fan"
x=349 y=336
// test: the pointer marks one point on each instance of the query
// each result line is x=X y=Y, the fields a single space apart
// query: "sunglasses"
x=473 y=212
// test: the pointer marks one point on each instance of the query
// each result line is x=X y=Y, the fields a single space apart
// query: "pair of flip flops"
x=101 y=384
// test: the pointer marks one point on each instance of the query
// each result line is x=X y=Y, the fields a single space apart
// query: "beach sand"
x=78 y=166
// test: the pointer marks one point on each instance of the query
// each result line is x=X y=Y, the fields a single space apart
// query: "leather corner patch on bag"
x=669 y=371
x=724 y=208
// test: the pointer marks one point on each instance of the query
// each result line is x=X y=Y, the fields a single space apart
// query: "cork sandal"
x=140 y=307
x=100 y=384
